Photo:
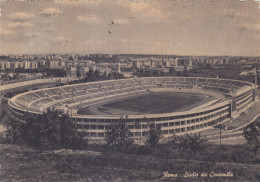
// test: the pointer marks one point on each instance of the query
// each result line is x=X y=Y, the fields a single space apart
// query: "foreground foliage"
x=118 y=135
x=52 y=130
x=192 y=143
x=252 y=135
x=20 y=163
x=154 y=135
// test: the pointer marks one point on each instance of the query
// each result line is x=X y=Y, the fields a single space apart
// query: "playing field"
x=151 y=103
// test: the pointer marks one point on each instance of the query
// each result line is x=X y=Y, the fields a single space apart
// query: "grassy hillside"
x=19 y=163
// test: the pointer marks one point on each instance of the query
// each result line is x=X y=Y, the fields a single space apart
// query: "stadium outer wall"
x=176 y=123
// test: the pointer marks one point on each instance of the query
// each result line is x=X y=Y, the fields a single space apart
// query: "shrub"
x=143 y=150
x=192 y=143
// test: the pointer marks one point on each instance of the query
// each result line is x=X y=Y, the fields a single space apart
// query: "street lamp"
x=220 y=130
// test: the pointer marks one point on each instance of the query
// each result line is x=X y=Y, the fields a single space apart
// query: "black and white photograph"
x=129 y=90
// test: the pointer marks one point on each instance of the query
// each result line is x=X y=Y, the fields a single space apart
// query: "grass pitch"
x=155 y=103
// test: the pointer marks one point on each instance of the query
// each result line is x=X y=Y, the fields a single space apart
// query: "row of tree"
x=201 y=70
x=118 y=135
x=93 y=76
x=55 y=129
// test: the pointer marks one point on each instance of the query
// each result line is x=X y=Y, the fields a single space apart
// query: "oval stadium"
x=179 y=105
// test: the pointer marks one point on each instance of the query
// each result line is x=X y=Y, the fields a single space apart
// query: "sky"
x=170 y=27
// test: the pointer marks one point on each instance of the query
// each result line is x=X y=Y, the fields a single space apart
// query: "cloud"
x=250 y=26
x=14 y=25
x=89 y=19
x=237 y=14
x=31 y=35
x=5 y=32
x=50 y=29
x=95 y=42
x=120 y=21
x=51 y=12
x=77 y=2
x=134 y=42
x=244 y=20
x=145 y=9
x=62 y=40
x=21 y=16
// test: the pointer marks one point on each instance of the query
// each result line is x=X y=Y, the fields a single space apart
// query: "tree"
x=3 y=110
x=52 y=130
x=78 y=73
x=15 y=131
x=119 y=135
x=193 y=143
x=252 y=135
x=154 y=134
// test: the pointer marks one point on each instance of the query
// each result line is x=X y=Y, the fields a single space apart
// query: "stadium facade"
x=237 y=96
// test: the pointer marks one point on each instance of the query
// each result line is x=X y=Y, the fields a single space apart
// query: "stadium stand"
x=237 y=96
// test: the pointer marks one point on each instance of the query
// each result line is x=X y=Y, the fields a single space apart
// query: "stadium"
x=179 y=105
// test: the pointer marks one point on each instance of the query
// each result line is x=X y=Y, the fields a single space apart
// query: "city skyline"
x=211 y=28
